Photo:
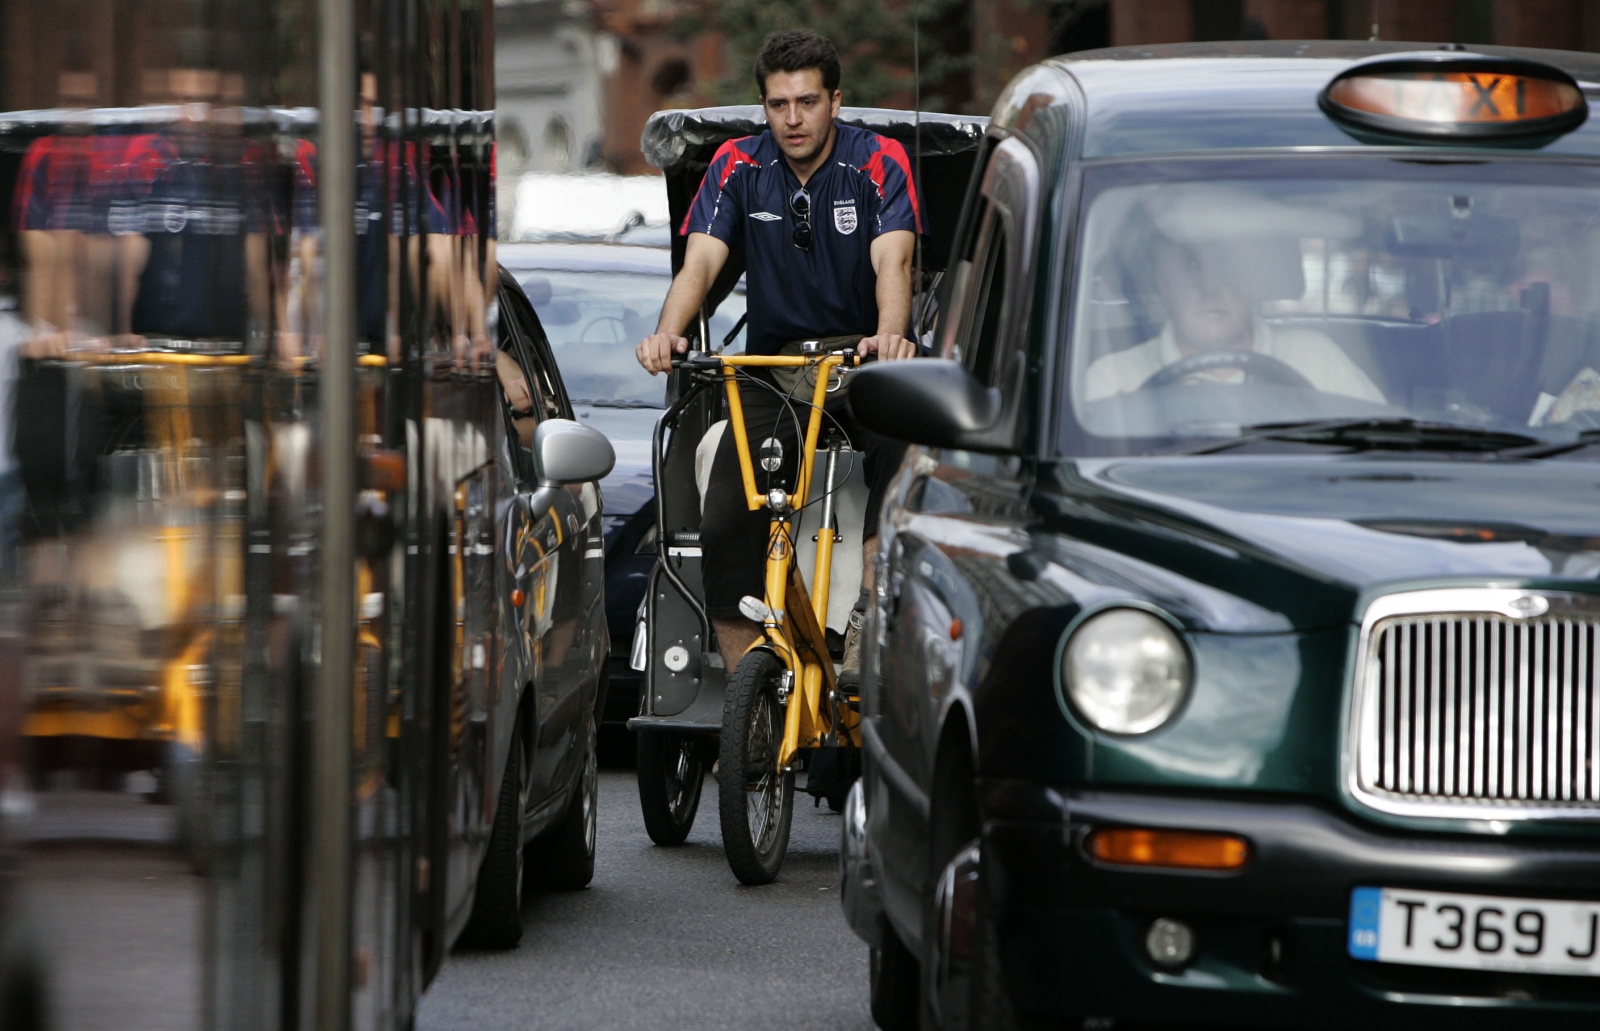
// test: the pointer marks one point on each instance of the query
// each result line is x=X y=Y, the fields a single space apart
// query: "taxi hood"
x=1302 y=538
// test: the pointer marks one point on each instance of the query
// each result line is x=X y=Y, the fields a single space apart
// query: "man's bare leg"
x=734 y=638
x=869 y=548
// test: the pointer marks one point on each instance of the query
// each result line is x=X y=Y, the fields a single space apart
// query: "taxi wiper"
x=1586 y=438
x=607 y=402
x=1377 y=435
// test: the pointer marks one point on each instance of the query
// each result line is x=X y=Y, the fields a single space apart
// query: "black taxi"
x=1235 y=650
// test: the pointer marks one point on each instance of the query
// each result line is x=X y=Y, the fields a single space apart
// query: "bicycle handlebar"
x=705 y=361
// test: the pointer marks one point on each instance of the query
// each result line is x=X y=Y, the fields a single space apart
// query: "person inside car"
x=1205 y=288
x=827 y=215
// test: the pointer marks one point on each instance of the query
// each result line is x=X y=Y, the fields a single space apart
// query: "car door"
x=947 y=591
x=550 y=540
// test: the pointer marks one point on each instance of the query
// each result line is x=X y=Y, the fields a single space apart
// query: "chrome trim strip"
x=1549 y=758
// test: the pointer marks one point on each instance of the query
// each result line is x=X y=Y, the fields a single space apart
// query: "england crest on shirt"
x=844 y=216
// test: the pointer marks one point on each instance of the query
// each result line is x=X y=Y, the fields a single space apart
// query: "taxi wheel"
x=496 y=921
x=754 y=799
x=564 y=856
x=991 y=1004
x=671 y=773
x=895 y=979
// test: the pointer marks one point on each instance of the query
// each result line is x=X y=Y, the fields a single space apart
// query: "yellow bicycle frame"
x=796 y=620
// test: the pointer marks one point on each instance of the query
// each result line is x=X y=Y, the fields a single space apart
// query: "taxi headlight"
x=1125 y=671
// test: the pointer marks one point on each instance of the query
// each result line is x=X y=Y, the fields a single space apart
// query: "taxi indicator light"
x=1452 y=96
x=1184 y=850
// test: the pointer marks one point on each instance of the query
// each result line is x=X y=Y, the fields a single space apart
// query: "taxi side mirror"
x=570 y=452
x=935 y=402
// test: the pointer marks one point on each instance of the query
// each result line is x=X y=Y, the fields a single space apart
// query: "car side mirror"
x=935 y=402
x=570 y=452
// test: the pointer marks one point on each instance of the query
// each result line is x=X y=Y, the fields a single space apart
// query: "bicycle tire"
x=752 y=731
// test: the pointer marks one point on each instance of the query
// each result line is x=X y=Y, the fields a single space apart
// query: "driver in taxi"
x=1204 y=288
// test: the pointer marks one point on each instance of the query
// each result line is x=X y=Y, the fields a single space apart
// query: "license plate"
x=1482 y=932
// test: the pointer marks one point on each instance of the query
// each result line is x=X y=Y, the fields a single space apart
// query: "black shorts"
x=733 y=539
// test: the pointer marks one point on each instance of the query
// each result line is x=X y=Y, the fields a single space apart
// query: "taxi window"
x=989 y=299
x=984 y=329
x=1213 y=297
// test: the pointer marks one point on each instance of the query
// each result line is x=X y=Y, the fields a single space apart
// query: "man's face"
x=800 y=112
x=1209 y=311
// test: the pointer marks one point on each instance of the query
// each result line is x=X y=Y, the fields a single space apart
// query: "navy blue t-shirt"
x=862 y=191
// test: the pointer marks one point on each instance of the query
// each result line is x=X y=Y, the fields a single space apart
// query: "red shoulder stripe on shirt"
x=734 y=157
x=877 y=170
x=305 y=159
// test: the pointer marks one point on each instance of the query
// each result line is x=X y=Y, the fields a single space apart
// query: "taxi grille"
x=1483 y=709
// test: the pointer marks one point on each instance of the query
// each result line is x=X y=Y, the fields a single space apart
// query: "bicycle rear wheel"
x=755 y=800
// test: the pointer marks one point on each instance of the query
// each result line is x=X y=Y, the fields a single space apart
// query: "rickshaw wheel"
x=671 y=773
x=755 y=801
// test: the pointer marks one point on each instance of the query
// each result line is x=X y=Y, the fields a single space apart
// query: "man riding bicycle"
x=827 y=215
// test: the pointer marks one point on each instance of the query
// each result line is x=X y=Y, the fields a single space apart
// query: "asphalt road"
x=665 y=938
x=117 y=913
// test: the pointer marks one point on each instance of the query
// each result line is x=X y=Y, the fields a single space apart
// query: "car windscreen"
x=594 y=320
x=1215 y=296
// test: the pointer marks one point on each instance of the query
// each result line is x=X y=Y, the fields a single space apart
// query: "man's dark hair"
x=795 y=50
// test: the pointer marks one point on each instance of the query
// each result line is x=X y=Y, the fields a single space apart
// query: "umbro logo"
x=765 y=216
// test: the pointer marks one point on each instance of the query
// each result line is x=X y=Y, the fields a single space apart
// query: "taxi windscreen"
x=1213 y=297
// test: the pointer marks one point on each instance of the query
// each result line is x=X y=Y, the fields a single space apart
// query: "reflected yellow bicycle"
x=783 y=705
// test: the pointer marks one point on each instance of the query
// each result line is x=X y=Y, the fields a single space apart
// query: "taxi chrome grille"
x=1496 y=709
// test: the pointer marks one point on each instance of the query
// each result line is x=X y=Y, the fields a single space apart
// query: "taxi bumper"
x=1271 y=937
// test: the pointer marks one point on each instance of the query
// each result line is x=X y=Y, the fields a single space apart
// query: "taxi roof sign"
x=1451 y=95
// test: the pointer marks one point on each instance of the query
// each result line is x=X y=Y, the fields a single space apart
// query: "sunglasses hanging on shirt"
x=800 y=207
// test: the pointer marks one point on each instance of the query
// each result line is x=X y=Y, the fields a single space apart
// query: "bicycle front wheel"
x=755 y=800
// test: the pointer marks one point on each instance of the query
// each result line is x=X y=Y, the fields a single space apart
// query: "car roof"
x=585 y=257
x=1255 y=95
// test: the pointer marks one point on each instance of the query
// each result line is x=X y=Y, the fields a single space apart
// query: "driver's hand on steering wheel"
x=889 y=346
x=656 y=350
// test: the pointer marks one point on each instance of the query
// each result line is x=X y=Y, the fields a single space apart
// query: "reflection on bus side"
x=161 y=326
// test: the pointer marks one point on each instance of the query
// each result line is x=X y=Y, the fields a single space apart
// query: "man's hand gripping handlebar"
x=657 y=351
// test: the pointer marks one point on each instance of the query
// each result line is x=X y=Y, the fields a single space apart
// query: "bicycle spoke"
x=758 y=810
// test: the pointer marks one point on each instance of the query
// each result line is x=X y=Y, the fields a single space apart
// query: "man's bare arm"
x=703 y=258
x=891 y=260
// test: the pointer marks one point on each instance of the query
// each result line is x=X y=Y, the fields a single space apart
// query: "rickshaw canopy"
x=943 y=148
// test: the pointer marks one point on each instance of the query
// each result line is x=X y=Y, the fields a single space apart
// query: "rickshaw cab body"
x=1247 y=683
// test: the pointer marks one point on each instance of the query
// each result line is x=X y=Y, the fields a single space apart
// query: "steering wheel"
x=616 y=338
x=1257 y=367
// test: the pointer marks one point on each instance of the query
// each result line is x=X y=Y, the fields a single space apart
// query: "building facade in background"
x=551 y=61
